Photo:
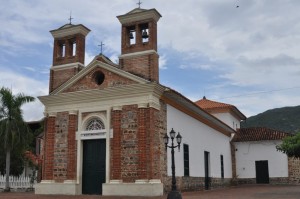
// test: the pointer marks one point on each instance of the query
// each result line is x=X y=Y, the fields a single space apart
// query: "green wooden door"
x=93 y=173
x=262 y=172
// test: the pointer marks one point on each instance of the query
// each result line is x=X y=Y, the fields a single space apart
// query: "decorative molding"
x=153 y=181
x=95 y=134
x=47 y=181
x=117 y=108
x=139 y=15
x=94 y=100
x=65 y=66
x=143 y=105
x=135 y=54
x=67 y=30
x=143 y=181
x=69 y=181
x=52 y=114
x=73 y=112
x=116 y=181
x=154 y=105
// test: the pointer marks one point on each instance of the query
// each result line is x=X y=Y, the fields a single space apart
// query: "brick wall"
x=61 y=147
x=49 y=149
x=145 y=66
x=294 y=170
x=110 y=80
x=129 y=148
x=273 y=180
x=116 y=145
x=139 y=45
x=72 y=147
x=189 y=183
x=58 y=77
x=69 y=58
x=137 y=146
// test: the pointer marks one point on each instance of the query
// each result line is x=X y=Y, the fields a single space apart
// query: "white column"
x=79 y=150
x=107 y=126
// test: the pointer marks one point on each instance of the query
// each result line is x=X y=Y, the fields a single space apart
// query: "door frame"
x=103 y=114
x=100 y=142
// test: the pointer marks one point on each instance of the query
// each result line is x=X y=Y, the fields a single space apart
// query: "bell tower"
x=139 y=43
x=68 y=53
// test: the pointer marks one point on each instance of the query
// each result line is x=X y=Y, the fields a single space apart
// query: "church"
x=105 y=123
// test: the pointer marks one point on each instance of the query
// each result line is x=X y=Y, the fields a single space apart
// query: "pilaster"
x=49 y=147
x=71 y=164
x=116 y=143
x=142 y=141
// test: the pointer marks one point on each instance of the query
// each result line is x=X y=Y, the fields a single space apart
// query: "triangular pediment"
x=101 y=73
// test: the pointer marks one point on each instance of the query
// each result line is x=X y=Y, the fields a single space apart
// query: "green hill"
x=285 y=119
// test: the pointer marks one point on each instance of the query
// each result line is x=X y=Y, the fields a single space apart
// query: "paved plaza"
x=240 y=192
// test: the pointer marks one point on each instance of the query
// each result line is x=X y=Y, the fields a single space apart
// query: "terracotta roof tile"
x=208 y=104
x=258 y=134
x=215 y=107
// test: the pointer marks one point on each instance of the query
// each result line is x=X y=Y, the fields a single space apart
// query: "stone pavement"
x=239 y=192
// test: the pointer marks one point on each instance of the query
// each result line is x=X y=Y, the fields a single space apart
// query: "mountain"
x=285 y=119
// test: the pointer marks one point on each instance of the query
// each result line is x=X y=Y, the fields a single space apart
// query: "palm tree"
x=13 y=130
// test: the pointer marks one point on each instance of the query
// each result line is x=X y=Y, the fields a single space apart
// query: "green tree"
x=17 y=161
x=290 y=146
x=13 y=130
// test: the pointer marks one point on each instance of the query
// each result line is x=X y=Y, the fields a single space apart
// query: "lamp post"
x=173 y=194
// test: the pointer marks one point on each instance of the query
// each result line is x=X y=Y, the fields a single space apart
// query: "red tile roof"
x=258 y=134
x=209 y=104
x=218 y=107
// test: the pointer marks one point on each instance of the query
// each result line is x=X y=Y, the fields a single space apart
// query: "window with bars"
x=94 y=124
x=186 y=160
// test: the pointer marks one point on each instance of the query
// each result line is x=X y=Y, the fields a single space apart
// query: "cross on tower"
x=101 y=45
x=139 y=3
x=70 y=19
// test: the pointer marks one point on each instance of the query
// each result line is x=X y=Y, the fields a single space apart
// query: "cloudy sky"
x=248 y=56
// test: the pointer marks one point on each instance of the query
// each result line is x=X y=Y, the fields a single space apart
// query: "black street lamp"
x=173 y=194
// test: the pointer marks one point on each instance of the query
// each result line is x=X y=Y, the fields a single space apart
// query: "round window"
x=99 y=77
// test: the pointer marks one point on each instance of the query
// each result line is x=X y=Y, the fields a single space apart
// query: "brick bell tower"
x=139 y=43
x=68 y=53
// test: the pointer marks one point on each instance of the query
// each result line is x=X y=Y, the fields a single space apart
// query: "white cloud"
x=253 y=47
x=163 y=62
x=22 y=84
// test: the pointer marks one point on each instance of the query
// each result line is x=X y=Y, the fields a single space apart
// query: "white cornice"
x=52 y=114
x=110 y=97
x=135 y=54
x=73 y=112
x=117 y=108
x=142 y=105
x=65 y=66
x=71 y=30
x=141 y=15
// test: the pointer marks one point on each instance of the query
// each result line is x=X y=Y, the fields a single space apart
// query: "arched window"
x=94 y=124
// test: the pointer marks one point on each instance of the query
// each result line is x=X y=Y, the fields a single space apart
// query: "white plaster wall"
x=228 y=119
x=200 y=138
x=249 y=152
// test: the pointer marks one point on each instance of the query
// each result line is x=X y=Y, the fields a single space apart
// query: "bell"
x=131 y=35
x=145 y=34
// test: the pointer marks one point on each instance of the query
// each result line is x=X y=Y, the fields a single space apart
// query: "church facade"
x=105 y=122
